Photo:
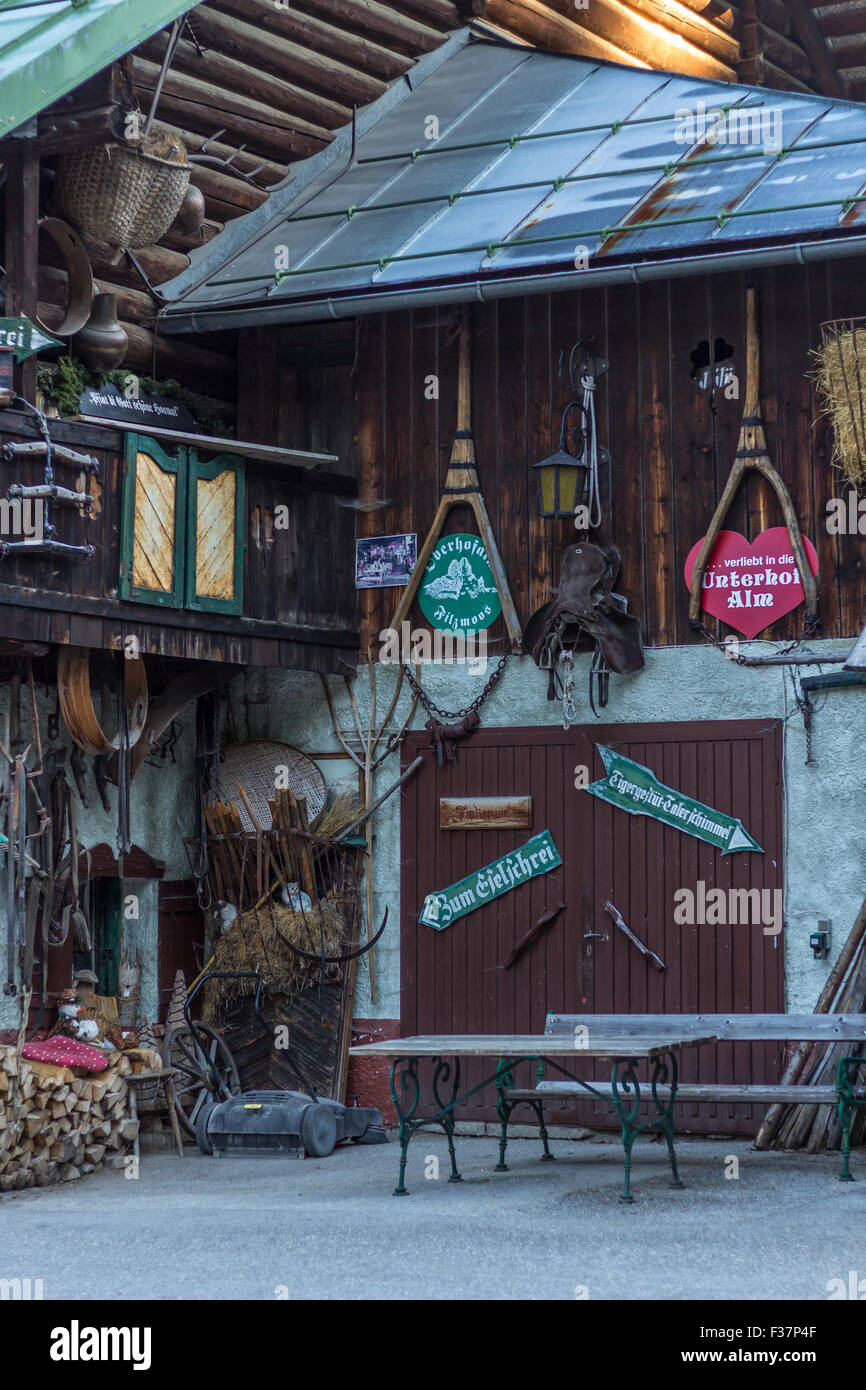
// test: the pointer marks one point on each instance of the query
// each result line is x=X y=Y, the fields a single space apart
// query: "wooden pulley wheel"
x=76 y=700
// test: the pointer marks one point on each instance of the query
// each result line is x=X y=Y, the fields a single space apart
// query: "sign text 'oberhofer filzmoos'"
x=538 y=856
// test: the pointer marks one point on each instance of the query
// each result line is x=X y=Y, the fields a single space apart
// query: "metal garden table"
x=444 y=1054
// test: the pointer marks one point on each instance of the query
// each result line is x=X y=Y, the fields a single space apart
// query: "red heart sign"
x=750 y=587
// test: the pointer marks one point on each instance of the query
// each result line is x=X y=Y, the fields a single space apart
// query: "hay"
x=344 y=809
x=254 y=942
x=841 y=382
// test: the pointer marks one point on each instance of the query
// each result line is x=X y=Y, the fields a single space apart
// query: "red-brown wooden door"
x=453 y=981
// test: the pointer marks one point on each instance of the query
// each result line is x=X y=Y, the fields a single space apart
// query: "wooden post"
x=22 y=245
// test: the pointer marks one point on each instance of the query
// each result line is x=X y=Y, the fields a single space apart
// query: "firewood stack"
x=54 y=1126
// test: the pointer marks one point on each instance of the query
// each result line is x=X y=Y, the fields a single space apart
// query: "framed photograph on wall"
x=384 y=562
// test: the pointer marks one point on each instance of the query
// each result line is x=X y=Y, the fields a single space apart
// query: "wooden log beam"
x=22 y=245
x=237 y=39
x=263 y=126
x=270 y=171
x=809 y=34
x=539 y=25
x=384 y=24
x=58 y=132
x=228 y=191
x=249 y=81
x=684 y=23
x=647 y=40
x=352 y=50
x=134 y=305
x=183 y=360
x=108 y=263
x=270 y=143
x=438 y=14
x=189 y=241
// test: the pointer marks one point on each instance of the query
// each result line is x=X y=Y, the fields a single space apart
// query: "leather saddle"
x=584 y=603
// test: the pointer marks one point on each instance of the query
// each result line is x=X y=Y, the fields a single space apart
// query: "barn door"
x=456 y=980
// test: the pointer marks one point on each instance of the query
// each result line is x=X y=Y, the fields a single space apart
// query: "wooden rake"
x=752 y=454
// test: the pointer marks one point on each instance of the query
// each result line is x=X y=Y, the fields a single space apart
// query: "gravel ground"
x=266 y=1228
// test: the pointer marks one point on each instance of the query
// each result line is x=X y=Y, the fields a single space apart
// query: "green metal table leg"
x=443 y=1072
x=626 y=1102
x=504 y=1082
x=547 y=1156
x=845 y=1074
x=665 y=1069
x=406 y=1111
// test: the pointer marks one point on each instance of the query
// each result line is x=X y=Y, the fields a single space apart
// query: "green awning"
x=49 y=47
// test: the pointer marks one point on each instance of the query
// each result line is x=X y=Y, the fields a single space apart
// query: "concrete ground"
x=266 y=1228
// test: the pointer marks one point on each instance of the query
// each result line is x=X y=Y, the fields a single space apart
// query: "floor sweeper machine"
x=226 y=1120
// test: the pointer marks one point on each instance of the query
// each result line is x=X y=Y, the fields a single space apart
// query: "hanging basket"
x=127 y=193
x=841 y=382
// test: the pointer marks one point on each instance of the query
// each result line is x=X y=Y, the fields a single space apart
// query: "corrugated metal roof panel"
x=532 y=157
x=47 y=49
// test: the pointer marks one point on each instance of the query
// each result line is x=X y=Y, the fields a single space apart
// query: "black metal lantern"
x=562 y=476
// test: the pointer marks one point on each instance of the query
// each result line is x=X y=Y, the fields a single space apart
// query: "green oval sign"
x=457 y=593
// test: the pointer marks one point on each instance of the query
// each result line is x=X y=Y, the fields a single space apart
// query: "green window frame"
x=184 y=464
x=175 y=463
x=206 y=473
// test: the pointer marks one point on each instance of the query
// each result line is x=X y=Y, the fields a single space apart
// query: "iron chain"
x=452 y=716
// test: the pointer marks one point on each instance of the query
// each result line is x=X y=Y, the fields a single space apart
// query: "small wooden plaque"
x=485 y=812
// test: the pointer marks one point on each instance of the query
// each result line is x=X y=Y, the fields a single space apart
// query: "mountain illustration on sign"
x=459 y=579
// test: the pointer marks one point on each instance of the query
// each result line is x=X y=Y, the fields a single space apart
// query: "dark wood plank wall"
x=671 y=451
x=453 y=981
x=299 y=602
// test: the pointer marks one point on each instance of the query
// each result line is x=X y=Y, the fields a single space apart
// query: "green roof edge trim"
x=41 y=62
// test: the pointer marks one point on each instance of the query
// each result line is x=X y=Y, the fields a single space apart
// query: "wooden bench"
x=847 y=1093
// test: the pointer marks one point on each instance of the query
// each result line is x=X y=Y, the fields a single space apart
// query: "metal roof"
x=49 y=47
x=542 y=169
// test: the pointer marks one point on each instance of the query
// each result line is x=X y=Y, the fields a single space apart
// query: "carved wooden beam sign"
x=485 y=812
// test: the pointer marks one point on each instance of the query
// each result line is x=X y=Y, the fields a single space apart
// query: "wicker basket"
x=127 y=194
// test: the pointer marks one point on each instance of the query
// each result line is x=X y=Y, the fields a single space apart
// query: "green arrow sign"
x=538 y=856
x=23 y=338
x=636 y=789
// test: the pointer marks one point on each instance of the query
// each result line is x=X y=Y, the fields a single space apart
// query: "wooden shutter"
x=154 y=497
x=214 y=540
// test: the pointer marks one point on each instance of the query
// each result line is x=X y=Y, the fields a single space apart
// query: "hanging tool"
x=644 y=950
x=462 y=486
x=525 y=942
x=752 y=455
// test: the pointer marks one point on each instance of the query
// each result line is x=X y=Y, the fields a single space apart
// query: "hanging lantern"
x=562 y=476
